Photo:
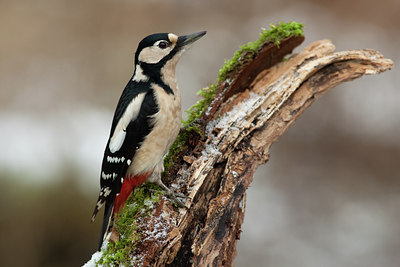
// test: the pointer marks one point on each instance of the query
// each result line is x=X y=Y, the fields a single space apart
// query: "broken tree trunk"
x=263 y=98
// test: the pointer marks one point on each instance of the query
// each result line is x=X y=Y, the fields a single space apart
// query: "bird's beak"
x=185 y=40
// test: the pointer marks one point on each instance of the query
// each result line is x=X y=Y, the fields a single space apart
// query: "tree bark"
x=248 y=114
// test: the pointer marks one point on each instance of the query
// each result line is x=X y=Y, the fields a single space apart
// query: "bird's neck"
x=167 y=74
x=162 y=75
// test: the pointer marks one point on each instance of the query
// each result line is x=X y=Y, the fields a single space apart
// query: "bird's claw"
x=173 y=196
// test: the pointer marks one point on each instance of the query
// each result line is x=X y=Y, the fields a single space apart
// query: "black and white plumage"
x=145 y=124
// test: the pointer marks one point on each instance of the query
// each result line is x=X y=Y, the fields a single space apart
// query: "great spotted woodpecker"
x=145 y=124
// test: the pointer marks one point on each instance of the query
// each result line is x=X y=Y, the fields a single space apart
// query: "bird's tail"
x=115 y=204
x=106 y=221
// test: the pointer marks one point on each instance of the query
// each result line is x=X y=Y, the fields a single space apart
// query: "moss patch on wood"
x=275 y=34
x=139 y=204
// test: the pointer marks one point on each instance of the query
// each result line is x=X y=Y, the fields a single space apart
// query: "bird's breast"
x=167 y=123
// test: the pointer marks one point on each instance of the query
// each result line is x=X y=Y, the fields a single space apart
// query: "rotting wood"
x=239 y=133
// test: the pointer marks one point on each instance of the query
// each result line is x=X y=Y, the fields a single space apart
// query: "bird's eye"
x=163 y=44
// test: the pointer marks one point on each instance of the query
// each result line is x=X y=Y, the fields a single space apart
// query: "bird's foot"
x=174 y=197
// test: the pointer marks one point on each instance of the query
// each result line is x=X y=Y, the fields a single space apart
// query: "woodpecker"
x=145 y=124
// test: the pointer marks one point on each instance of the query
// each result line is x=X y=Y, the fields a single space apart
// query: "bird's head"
x=160 y=49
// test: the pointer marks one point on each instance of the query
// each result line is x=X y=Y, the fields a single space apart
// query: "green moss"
x=178 y=146
x=139 y=204
x=196 y=129
x=274 y=35
x=198 y=109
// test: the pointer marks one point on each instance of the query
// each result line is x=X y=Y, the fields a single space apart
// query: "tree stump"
x=250 y=112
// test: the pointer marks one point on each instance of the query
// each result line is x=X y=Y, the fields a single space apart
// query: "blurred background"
x=330 y=194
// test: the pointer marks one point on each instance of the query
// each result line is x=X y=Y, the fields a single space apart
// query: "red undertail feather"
x=127 y=187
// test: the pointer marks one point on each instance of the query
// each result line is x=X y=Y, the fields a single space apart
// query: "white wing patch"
x=131 y=113
x=117 y=140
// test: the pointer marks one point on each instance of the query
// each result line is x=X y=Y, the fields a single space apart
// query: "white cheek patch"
x=130 y=114
x=153 y=54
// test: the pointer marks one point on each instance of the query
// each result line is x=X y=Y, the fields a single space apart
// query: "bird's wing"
x=131 y=124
